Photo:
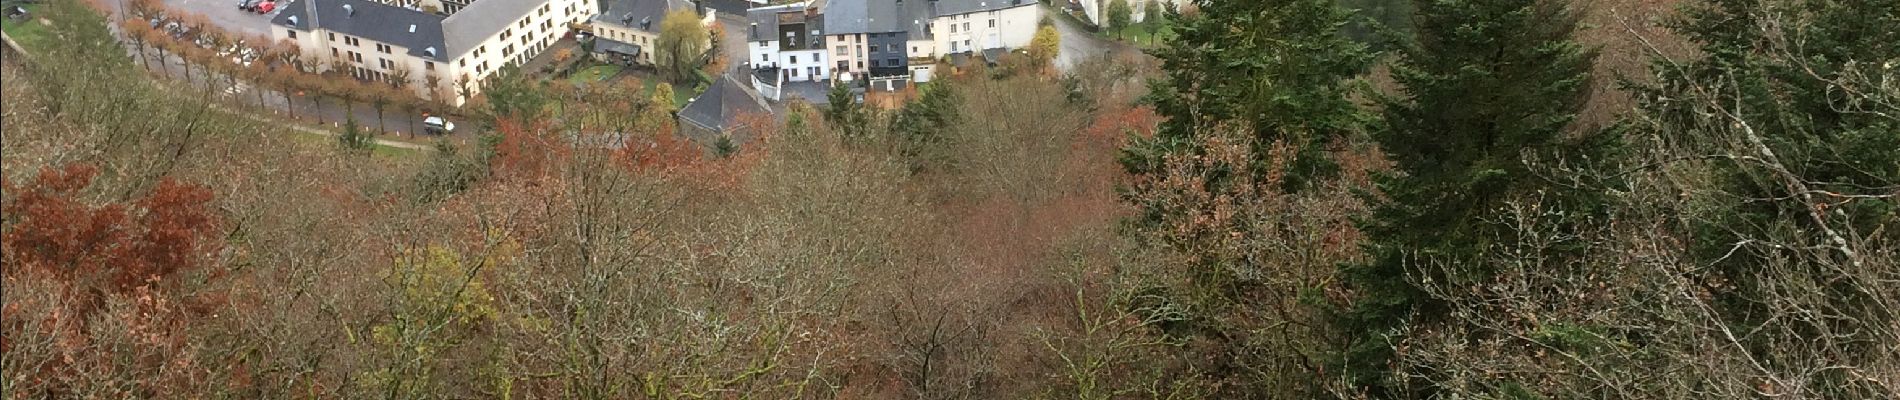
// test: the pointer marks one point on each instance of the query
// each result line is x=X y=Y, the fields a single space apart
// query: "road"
x=223 y=13
x=1079 y=45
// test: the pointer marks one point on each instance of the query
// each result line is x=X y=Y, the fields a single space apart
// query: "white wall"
x=1014 y=28
x=805 y=60
x=542 y=28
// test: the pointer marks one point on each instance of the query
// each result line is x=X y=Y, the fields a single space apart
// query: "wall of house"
x=522 y=40
x=764 y=53
x=371 y=64
x=806 y=65
x=847 y=53
x=629 y=35
x=887 y=50
x=1008 y=28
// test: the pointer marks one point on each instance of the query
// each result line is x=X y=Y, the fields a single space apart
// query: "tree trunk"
x=380 y=128
x=318 y=114
x=290 y=104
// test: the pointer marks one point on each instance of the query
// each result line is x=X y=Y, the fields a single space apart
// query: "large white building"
x=444 y=57
x=882 y=40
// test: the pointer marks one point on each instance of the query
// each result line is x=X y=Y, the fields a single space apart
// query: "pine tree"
x=921 y=126
x=1488 y=86
x=845 y=113
x=1277 y=68
x=1803 y=174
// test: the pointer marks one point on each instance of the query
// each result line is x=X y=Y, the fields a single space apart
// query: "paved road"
x=223 y=13
x=1079 y=45
x=330 y=112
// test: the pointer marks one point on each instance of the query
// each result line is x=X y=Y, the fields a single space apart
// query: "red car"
x=266 y=7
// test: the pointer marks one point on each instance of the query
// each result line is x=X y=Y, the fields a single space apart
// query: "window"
x=953 y=28
x=505 y=33
x=384 y=62
x=953 y=47
x=428 y=66
x=762 y=43
x=841 y=51
x=293 y=33
x=382 y=48
x=355 y=56
x=508 y=50
x=794 y=72
x=966 y=44
x=913 y=49
x=352 y=41
x=765 y=58
x=874 y=64
x=891 y=47
x=794 y=59
x=966 y=25
x=894 y=62
x=992 y=23
x=333 y=52
x=462 y=62
x=332 y=36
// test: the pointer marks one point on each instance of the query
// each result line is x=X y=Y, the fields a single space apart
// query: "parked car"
x=266 y=6
x=437 y=126
x=247 y=5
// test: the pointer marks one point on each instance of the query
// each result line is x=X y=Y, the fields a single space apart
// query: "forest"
x=1289 y=199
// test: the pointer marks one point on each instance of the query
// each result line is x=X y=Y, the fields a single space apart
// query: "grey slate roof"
x=955 y=7
x=720 y=107
x=914 y=17
x=764 y=24
x=845 y=17
x=629 y=13
x=481 y=20
x=373 y=21
x=882 y=16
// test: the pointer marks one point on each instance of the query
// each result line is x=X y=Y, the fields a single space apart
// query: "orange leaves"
x=528 y=149
x=52 y=231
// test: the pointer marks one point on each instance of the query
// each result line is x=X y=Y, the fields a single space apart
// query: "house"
x=627 y=29
x=787 y=42
x=884 y=42
x=726 y=110
x=440 y=56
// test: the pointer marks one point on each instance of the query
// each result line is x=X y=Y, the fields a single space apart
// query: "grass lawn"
x=1146 y=34
x=680 y=94
x=595 y=73
x=28 y=32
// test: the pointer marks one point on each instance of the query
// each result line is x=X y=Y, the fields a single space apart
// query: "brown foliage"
x=54 y=232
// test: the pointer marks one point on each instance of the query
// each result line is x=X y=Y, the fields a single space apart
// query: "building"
x=887 y=43
x=725 y=111
x=787 y=43
x=626 y=31
x=441 y=56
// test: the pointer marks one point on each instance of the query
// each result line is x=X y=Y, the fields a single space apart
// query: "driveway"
x=1079 y=45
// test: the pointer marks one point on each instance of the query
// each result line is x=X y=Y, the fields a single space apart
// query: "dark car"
x=247 y=5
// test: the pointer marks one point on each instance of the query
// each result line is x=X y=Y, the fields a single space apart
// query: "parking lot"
x=225 y=14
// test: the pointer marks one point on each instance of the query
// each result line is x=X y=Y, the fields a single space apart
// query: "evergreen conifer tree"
x=1802 y=164
x=1278 y=68
x=1489 y=86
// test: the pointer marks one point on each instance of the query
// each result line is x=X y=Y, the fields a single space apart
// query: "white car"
x=437 y=126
